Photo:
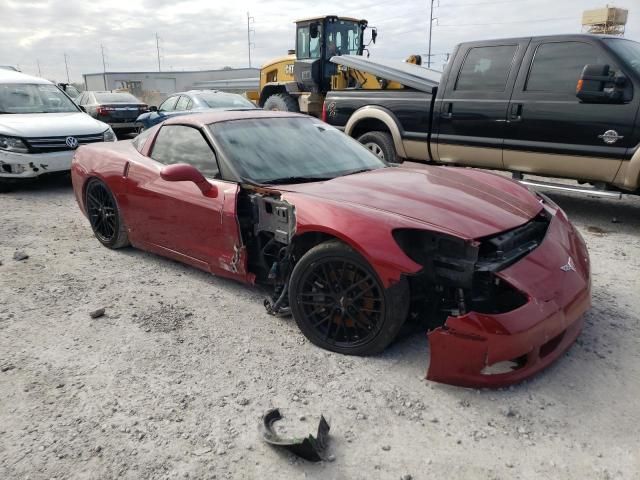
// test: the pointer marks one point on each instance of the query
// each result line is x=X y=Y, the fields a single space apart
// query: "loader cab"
x=319 y=39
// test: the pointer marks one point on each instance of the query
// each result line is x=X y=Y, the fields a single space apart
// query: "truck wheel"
x=381 y=145
x=282 y=102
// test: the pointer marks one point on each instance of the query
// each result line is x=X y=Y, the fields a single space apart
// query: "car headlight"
x=109 y=135
x=12 y=144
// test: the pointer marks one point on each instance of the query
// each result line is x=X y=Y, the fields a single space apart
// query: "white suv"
x=40 y=127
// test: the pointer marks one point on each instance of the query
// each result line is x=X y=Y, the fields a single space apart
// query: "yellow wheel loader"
x=299 y=81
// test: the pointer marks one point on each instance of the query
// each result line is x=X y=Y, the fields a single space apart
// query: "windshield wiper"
x=300 y=179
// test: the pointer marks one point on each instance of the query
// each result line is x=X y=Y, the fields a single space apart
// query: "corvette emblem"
x=569 y=267
x=72 y=142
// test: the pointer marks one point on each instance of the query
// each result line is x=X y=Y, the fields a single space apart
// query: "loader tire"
x=282 y=102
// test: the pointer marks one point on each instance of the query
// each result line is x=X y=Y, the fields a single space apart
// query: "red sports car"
x=351 y=246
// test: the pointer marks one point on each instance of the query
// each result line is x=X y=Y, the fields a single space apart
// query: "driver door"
x=176 y=219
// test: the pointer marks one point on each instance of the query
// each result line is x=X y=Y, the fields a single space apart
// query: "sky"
x=211 y=34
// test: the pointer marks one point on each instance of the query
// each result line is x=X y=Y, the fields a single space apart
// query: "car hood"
x=50 y=124
x=466 y=203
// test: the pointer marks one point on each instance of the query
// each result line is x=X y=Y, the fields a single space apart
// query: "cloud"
x=206 y=34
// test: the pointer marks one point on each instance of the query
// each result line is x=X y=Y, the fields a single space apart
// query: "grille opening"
x=506 y=366
x=551 y=345
x=493 y=295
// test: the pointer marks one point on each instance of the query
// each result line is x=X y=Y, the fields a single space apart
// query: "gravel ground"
x=172 y=381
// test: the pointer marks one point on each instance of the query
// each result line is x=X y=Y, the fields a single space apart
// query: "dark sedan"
x=119 y=109
x=193 y=101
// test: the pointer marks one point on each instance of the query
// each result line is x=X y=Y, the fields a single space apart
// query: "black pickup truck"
x=558 y=106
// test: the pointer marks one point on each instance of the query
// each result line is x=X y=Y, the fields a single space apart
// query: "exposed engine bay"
x=458 y=276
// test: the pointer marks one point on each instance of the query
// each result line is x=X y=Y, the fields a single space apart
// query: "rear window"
x=116 y=98
x=486 y=68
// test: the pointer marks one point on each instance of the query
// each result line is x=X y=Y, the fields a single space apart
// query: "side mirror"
x=374 y=35
x=153 y=108
x=81 y=107
x=182 y=172
x=598 y=84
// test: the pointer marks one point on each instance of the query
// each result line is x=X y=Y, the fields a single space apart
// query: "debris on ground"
x=6 y=367
x=310 y=448
x=97 y=313
x=19 y=256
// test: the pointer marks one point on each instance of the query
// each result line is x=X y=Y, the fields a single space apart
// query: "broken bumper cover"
x=16 y=166
x=470 y=349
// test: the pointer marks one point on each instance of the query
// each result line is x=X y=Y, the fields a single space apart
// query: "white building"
x=153 y=87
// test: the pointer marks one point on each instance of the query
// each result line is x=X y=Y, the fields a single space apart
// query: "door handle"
x=447 y=110
x=516 y=112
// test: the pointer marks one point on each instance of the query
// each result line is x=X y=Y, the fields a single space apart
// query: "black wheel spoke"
x=342 y=302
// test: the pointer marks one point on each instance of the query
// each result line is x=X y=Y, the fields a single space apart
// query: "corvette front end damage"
x=500 y=309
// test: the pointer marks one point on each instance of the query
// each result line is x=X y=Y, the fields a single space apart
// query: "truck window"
x=486 y=68
x=557 y=66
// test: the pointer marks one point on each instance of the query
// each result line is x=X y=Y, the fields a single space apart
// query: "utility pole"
x=39 y=71
x=158 y=49
x=431 y=19
x=104 y=68
x=250 y=20
x=66 y=65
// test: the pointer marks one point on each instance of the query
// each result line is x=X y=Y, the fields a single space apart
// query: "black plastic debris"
x=310 y=448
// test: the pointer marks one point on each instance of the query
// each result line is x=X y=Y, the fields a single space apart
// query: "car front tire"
x=381 y=145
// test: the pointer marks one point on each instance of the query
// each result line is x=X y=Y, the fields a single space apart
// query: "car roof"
x=10 y=76
x=202 y=119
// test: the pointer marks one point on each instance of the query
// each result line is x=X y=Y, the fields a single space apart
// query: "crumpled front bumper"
x=466 y=350
x=31 y=165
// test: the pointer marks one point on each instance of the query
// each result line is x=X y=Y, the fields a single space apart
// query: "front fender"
x=382 y=114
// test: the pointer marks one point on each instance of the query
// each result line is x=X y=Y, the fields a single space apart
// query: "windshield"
x=34 y=98
x=110 y=97
x=288 y=150
x=627 y=50
x=343 y=38
x=224 y=100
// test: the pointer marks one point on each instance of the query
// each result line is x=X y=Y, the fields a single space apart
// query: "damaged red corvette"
x=350 y=246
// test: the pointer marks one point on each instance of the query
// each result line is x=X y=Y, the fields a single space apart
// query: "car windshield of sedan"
x=224 y=100
x=34 y=98
x=291 y=150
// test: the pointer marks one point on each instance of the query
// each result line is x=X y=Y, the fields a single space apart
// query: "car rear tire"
x=381 y=145
x=282 y=102
x=340 y=304
x=104 y=215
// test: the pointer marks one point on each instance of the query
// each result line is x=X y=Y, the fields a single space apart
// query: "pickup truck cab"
x=559 y=106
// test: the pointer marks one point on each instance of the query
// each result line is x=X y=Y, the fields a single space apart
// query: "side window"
x=182 y=103
x=181 y=144
x=189 y=105
x=486 y=68
x=140 y=140
x=302 y=47
x=557 y=66
x=168 y=105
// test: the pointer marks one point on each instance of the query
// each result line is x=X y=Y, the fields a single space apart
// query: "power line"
x=505 y=23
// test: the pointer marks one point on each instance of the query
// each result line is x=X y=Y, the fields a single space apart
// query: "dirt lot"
x=173 y=380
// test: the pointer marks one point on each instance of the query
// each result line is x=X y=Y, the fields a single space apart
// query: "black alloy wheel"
x=104 y=216
x=340 y=304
